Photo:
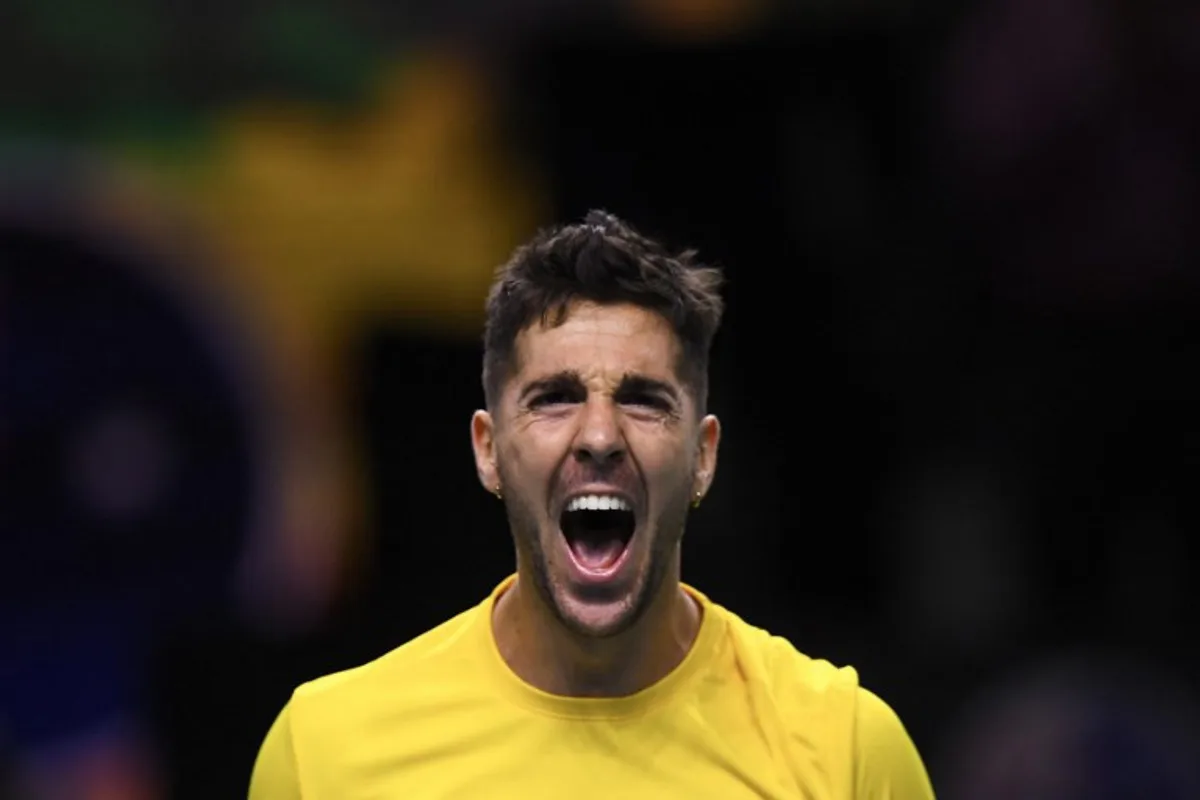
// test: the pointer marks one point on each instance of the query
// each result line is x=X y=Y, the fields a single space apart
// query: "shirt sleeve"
x=275 y=776
x=887 y=765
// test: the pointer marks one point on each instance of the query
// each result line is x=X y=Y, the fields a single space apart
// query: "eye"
x=554 y=398
x=646 y=400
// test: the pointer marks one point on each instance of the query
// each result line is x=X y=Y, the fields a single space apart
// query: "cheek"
x=667 y=467
x=530 y=458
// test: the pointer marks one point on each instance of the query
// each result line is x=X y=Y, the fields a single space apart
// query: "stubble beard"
x=667 y=531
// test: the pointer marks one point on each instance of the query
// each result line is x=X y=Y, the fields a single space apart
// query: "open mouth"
x=597 y=528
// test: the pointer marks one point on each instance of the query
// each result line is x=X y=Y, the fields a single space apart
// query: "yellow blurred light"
x=404 y=210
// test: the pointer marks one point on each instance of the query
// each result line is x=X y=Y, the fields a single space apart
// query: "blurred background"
x=243 y=253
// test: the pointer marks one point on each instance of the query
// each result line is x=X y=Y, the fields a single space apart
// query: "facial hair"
x=667 y=532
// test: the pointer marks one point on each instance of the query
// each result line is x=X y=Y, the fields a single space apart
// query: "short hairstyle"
x=603 y=260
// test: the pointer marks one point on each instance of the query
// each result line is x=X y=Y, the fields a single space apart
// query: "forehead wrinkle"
x=636 y=353
x=639 y=334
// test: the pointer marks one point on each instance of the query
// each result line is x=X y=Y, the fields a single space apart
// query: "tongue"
x=597 y=553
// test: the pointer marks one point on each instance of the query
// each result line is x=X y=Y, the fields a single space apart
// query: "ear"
x=706 y=455
x=483 y=442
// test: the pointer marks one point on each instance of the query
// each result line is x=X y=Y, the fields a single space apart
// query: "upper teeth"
x=597 y=502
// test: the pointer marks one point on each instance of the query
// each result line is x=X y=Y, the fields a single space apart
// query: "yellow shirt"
x=743 y=716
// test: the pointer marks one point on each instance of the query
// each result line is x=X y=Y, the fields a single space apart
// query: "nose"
x=599 y=439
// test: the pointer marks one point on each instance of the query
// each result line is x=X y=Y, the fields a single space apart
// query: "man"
x=593 y=672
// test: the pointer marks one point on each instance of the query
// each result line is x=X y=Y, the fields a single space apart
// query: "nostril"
x=600 y=456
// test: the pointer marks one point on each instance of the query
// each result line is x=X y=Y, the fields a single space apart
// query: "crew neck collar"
x=663 y=690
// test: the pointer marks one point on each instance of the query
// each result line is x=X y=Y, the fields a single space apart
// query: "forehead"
x=594 y=338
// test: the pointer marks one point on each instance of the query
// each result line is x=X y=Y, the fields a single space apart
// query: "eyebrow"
x=570 y=380
x=558 y=382
x=633 y=383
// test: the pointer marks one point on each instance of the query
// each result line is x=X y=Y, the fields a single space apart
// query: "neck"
x=545 y=654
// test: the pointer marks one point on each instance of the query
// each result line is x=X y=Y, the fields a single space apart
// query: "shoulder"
x=789 y=674
x=829 y=715
x=332 y=725
x=887 y=763
x=397 y=678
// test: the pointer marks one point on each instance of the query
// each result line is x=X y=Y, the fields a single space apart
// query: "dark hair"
x=603 y=260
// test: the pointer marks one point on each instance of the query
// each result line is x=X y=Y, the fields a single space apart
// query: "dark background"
x=954 y=375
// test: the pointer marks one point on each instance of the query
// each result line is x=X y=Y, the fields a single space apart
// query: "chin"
x=601 y=611
x=597 y=620
x=590 y=605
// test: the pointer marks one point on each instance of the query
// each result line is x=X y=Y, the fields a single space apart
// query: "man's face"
x=598 y=448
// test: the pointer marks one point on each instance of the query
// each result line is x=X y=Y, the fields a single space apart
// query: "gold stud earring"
x=497 y=492
x=696 y=500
